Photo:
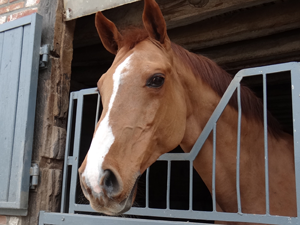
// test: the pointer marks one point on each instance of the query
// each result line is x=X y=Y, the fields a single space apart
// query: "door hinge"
x=44 y=56
x=34 y=175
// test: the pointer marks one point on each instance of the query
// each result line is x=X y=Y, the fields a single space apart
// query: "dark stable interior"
x=90 y=61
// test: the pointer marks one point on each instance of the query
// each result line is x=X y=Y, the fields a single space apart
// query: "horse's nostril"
x=110 y=183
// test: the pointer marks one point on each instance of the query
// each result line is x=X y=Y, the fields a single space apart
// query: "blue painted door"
x=19 y=64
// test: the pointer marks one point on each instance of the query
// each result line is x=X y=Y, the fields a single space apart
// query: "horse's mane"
x=217 y=78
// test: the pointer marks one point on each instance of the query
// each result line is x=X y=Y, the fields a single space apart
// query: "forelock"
x=132 y=36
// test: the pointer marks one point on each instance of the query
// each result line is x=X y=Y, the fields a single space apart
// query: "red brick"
x=12 y=0
x=30 y=3
x=3 y=220
x=21 y=14
x=11 y=7
x=2 y=19
x=3 y=2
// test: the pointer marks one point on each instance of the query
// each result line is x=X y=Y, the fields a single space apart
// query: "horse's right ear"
x=108 y=33
x=154 y=23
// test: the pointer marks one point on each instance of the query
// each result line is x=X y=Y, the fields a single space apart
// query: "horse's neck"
x=201 y=102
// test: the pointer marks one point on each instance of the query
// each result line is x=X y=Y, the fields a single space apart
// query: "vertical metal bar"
x=295 y=81
x=41 y=218
x=191 y=186
x=215 y=115
x=266 y=143
x=238 y=150
x=147 y=187
x=168 y=184
x=67 y=152
x=97 y=110
x=76 y=152
x=214 y=169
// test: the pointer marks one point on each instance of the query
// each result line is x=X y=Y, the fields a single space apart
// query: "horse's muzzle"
x=106 y=201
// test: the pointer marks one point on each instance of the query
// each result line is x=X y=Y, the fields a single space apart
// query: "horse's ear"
x=108 y=33
x=155 y=23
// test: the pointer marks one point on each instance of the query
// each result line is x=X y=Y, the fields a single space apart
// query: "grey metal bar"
x=174 y=157
x=281 y=67
x=76 y=151
x=70 y=161
x=97 y=110
x=238 y=150
x=295 y=81
x=168 y=184
x=88 y=91
x=214 y=169
x=147 y=187
x=71 y=219
x=266 y=143
x=204 y=215
x=214 y=117
x=191 y=186
x=67 y=152
x=215 y=216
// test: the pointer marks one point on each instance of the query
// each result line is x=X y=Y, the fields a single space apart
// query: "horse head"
x=144 y=111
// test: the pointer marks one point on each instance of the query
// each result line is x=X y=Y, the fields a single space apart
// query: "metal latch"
x=44 y=56
x=34 y=175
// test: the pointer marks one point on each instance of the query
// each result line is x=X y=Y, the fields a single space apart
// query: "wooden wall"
x=235 y=34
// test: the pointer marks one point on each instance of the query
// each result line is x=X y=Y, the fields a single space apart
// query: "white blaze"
x=104 y=136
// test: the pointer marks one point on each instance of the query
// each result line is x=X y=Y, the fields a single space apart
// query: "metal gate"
x=68 y=216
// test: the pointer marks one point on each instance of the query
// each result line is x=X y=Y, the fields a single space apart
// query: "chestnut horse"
x=156 y=96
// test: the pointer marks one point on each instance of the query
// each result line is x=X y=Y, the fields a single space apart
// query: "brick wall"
x=3 y=220
x=14 y=9
x=9 y=220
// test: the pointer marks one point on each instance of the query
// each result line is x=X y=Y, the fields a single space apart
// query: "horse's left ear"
x=108 y=33
x=155 y=23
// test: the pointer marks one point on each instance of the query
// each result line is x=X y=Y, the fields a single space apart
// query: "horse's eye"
x=156 y=81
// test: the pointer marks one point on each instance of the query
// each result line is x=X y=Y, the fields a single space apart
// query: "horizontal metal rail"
x=211 y=126
x=72 y=219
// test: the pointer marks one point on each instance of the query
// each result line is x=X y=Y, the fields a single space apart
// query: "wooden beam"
x=180 y=13
x=221 y=31
x=177 y=13
x=272 y=49
x=51 y=111
x=276 y=48
x=239 y=25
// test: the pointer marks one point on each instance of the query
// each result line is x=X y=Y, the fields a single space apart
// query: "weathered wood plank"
x=272 y=49
x=177 y=13
x=10 y=77
x=22 y=103
x=275 y=48
x=239 y=25
x=52 y=100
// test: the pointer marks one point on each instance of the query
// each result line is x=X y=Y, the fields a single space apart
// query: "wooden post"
x=51 y=111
